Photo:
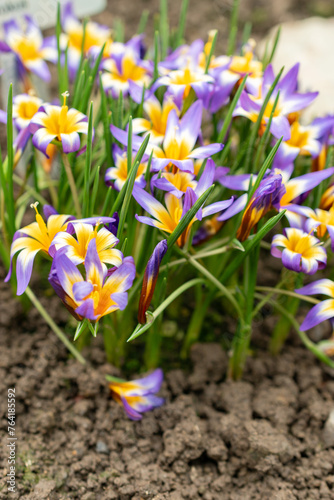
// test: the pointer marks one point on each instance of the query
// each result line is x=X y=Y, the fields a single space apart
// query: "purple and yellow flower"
x=100 y=293
x=58 y=123
x=304 y=141
x=289 y=101
x=296 y=191
x=168 y=218
x=150 y=279
x=322 y=311
x=299 y=251
x=137 y=396
x=31 y=239
x=269 y=192
x=327 y=199
x=95 y=36
x=181 y=81
x=246 y=64
x=25 y=106
x=31 y=51
x=121 y=69
x=117 y=175
x=322 y=222
x=85 y=232
x=178 y=148
x=156 y=123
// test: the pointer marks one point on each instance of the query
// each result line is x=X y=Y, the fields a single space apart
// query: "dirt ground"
x=215 y=14
x=259 y=439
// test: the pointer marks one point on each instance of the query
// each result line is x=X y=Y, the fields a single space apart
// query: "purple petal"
x=217 y=207
x=235 y=208
x=280 y=127
x=70 y=142
x=24 y=265
x=206 y=151
x=132 y=414
x=81 y=290
x=324 y=287
x=291 y=260
x=86 y=310
x=318 y=314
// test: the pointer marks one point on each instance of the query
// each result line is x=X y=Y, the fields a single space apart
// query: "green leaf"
x=233 y=28
x=143 y=21
x=95 y=189
x=249 y=245
x=164 y=28
x=10 y=163
x=256 y=127
x=140 y=329
x=188 y=217
x=182 y=23
x=212 y=49
x=231 y=108
x=91 y=80
x=82 y=325
x=275 y=44
x=88 y=162
x=106 y=123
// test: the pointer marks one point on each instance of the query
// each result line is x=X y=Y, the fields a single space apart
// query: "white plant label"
x=45 y=13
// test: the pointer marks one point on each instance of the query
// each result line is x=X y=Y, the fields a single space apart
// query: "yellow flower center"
x=26 y=49
x=299 y=137
x=26 y=109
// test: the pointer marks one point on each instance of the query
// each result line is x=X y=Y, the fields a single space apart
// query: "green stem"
x=241 y=343
x=243 y=335
x=283 y=326
x=73 y=187
x=45 y=315
x=196 y=322
x=302 y=335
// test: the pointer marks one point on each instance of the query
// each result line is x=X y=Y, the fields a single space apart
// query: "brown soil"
x=261 y=438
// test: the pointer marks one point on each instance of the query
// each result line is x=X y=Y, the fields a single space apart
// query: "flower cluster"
x=183 y=144
x=71 y=242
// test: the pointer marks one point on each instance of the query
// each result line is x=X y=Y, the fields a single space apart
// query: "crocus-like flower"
x=95 y=36
x=296 y=190
x=168 y=218
x=137 y=396
x=177 y=184
x=117 y=175
x=299 y=251
x=268 y=193
x=76 y=248
x=304 y=140
x=322 y=221
x=29 y=241
x=25 y=106
x=60 y=123
x=150 y=279
x=327 y=199
x=179 y=83
x=178 y=146
x=99 y=294
x=157 y=118
x=289 y=101
x=123 y=68
x=31 y=51
x=246 y=64
x=322 y=311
